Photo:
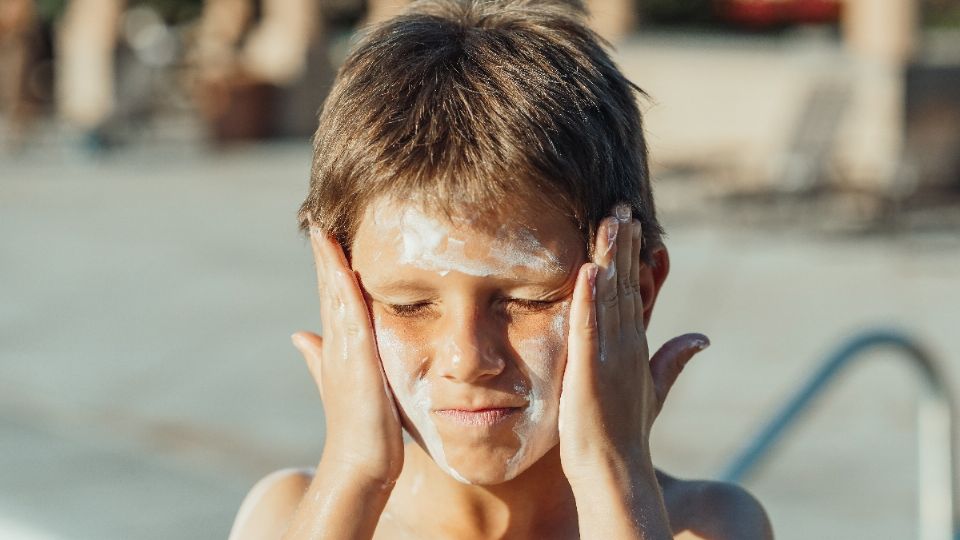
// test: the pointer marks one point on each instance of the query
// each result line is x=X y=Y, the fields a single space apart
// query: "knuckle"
x=354 y=331
x=631 y=287
x=610 y=300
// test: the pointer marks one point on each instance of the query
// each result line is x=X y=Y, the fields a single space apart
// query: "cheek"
x=400 y=360
x=543 y=353
x=538 y=431
x=542 y=361
x=542 y=356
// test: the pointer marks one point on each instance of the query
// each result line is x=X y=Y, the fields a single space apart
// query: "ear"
x=652 y=278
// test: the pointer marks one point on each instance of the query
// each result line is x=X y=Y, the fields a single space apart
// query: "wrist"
x=359 y=476
x=620 y=498
x=608 y=466
x=338 y=491
x=356 y=460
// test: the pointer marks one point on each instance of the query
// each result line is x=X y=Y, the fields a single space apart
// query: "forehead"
x=534 y=242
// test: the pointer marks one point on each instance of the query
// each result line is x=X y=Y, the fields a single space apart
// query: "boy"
x=488 y=259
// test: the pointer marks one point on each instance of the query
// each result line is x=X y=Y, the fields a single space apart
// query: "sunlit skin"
x=466 y=334
x=478 y=341
x=487 y=316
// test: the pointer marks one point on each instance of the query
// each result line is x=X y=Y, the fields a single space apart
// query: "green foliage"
x=172 y=11
x=50 y=9
x=677 y=11
x=944 y=19
x=941 y=13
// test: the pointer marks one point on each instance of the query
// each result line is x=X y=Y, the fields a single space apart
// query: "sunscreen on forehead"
x=431 y=244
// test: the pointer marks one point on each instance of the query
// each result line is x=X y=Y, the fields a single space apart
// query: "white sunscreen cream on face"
x=537 y=429
x=430 y=244
x=413 y=394
x=434 y=245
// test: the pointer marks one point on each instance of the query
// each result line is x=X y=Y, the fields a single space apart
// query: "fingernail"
x=622 y=211
x=612 y=228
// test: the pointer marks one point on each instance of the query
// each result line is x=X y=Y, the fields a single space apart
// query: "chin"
x=491 y=465
x=475 y=464
x=490 y=477
x=483 y=467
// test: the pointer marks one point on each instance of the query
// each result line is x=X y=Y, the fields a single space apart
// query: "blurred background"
x=806 y=155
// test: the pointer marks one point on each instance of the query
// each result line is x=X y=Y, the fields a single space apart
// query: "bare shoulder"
x=271 y=502
x=707 y=510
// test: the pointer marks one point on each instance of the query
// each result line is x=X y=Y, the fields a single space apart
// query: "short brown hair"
x=481 y=104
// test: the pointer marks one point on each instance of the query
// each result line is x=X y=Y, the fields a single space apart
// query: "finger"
x=607 y=313
x=325 y=292
x=636 y=264
x=605 y=251
x=669 y=361
x=317 y=236
x=625 y=254
x=624 y=243
x=317 y=239
x=310 y=346
x=583 y=345
x=352 y=315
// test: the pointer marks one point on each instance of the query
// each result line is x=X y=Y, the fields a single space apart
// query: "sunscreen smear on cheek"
x=412 y=393
x=537 y=429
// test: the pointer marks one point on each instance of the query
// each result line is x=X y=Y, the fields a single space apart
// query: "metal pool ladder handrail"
x=935 y=428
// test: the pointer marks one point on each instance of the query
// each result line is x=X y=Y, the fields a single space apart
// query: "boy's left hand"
x=612 y=389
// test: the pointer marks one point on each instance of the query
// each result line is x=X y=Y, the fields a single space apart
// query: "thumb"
x=668 y=362
x=310 y=346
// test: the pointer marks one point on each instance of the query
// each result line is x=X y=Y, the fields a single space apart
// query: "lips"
x=481 y=417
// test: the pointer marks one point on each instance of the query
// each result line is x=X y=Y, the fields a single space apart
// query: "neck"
x=537 y=503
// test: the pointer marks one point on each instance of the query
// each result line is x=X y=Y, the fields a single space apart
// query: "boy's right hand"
x=364 y=436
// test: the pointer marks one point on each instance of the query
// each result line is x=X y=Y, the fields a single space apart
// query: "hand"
x=612 y=391
x=363 y=426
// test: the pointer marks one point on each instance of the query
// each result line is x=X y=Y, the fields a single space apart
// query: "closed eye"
x=513 y=304
x=408 y=310
x=531 y=305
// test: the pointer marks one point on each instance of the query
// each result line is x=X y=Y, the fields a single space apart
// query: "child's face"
x=472 y=327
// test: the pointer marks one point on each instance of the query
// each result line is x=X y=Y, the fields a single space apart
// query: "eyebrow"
x=400 y=285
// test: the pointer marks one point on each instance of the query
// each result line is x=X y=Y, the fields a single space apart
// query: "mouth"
x=483 y=417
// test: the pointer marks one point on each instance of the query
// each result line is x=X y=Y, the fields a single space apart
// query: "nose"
x=468 y=353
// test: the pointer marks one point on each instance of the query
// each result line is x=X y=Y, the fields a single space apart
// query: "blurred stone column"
x=85 y=47
x=381 y=10
x=612 y=19
x=880 y=36
x=18 y=34
x=219 y=31
x=276 y=49
x=881 y=30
